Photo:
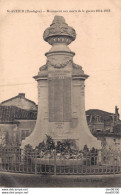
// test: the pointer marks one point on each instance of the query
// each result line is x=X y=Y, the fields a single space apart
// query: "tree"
x=67 y=146
x=28 y=150
x=41 y=147
x=85 y=149
x=50 y=144
x=7 y=138
x=59 y=147
x=3 y=139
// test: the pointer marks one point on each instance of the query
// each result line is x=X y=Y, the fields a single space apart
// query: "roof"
x=6 y=114
x=105 y=117
x=12 y=113
x=95 y=112
x=20 y=95
x=107 y=134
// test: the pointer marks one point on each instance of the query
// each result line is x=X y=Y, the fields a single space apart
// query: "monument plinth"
x=61 y=101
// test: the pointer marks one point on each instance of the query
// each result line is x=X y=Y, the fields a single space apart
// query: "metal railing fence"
x=33 y=162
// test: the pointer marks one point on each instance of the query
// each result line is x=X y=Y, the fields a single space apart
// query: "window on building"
x=24 y=134
x=98 y=118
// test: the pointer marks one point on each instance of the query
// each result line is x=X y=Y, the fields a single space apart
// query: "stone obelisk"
x=61 y=98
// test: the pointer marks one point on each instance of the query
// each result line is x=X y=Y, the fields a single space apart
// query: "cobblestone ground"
x=22 y=180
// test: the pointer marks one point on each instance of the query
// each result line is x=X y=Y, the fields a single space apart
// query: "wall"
x=21 y=103
x=111 y=153
x=25 y=128
x=9 y=134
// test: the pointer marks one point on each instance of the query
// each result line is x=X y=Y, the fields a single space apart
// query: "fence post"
x=54 y=161
x=35 y=161
x=99 y=157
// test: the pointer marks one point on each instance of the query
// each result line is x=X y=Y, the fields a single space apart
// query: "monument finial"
x=59 y=32
x=58 y=19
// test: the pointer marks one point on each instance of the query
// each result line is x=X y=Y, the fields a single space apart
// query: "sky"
x=97 y=47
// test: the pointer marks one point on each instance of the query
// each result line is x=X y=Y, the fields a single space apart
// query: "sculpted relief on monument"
x=59 y=64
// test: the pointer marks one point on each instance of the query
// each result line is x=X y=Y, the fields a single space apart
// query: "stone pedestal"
x=61 y=98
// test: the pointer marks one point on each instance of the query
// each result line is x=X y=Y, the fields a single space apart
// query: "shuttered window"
x=59 y=99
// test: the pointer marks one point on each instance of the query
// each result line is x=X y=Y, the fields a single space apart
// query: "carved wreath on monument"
x=59 y=64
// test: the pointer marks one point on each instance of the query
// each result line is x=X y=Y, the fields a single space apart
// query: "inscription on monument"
x=59 y=125
x=59 y=99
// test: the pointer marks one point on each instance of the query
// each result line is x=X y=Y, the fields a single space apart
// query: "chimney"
x=21 y=95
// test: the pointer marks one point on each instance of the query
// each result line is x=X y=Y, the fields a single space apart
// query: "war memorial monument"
x=61 y=92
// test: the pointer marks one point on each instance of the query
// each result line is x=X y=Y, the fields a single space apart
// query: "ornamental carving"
x=59 y=28
x=76 y=66
x=44 y=67
x=59 y=64
x=82 y=86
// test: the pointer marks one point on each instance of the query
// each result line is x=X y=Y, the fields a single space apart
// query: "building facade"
x=99 y=120
x=106 y=127
x=15 y=124
x=20 y=101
